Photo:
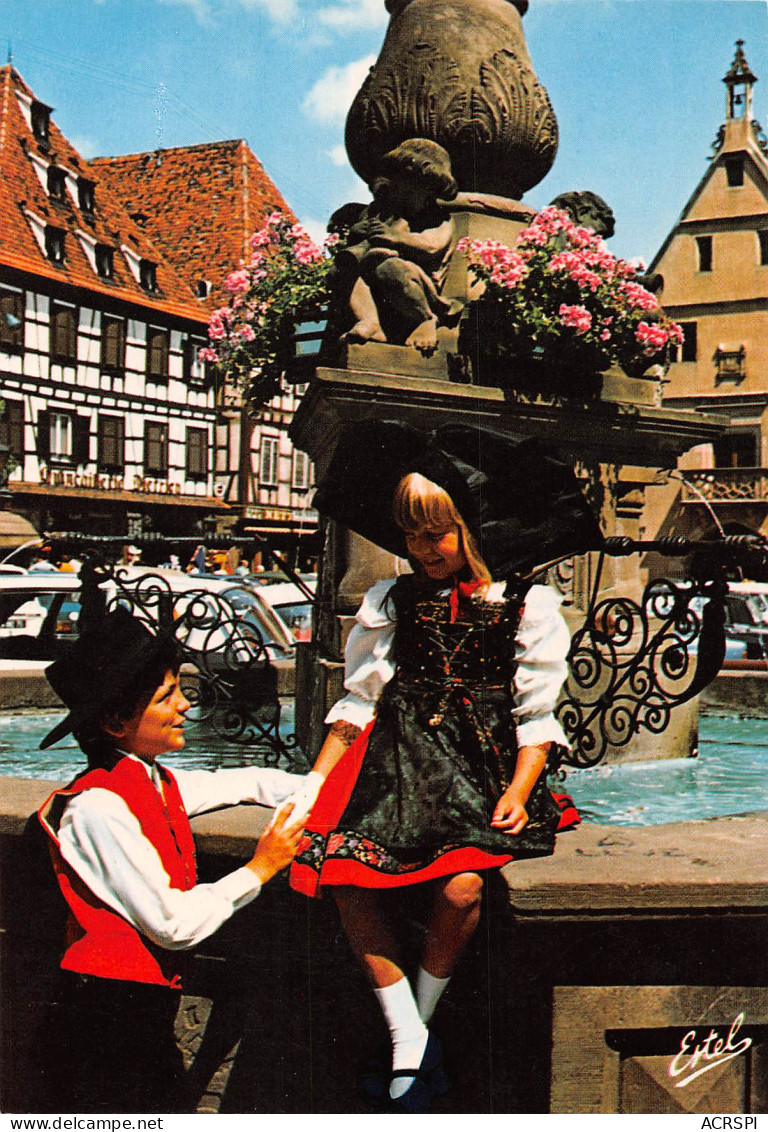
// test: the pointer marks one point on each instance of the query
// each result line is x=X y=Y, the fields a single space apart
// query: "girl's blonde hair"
x=419 y=504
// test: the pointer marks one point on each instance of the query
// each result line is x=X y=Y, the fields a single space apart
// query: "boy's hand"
x=304 y=798
x=278 y=843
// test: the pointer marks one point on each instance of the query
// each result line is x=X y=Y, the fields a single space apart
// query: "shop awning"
x=15 y=530
x=136 y=499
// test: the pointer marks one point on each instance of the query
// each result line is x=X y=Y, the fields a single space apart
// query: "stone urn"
x=457 y=72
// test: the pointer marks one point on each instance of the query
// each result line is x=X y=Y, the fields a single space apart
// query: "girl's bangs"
x=420 y=505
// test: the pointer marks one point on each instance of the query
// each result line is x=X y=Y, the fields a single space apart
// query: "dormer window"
x=54 y=244
x=57 y=183
x=203 y=288
x=85 y=195
x=40 y=116
x=105 y=261
x=148 y=275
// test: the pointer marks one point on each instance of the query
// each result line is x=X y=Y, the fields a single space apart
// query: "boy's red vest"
x=99 y=941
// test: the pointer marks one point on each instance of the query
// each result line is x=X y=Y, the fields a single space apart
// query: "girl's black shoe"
x=429 y=1081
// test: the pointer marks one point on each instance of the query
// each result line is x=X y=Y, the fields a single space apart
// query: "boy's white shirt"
x=103 y=842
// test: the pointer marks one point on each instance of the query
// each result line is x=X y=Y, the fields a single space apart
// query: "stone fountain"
x=453 y=107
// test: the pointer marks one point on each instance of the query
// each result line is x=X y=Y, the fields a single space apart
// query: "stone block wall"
x=594 y=962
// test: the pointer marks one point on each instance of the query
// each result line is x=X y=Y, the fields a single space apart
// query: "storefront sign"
x=155 y=487
x=57 y=477
x=273 y=514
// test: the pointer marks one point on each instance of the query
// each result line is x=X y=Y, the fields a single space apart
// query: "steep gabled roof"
x=26 y=208
x=199 y=203
x=756 y=166
x=739 y=137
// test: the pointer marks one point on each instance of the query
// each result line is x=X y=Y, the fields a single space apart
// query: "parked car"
x=746 y=618
x=226 y=624
x=292 y=605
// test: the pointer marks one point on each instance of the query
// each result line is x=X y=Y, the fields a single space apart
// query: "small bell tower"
x=739 y=82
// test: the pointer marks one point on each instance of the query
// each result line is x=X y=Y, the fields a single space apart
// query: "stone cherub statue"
x=390 y=272
x=589 y=210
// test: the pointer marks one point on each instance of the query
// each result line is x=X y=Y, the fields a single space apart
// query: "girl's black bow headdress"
x=521 y=502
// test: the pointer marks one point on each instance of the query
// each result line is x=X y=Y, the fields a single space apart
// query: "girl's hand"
x=510 y=815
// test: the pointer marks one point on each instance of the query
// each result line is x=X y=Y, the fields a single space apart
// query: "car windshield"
x=33 y=624
x=298 y=617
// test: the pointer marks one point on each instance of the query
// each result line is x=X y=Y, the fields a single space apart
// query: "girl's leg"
x=455 y=915
x=377 y=952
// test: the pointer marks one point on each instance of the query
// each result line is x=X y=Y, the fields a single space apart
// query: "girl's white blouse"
x=541 y=647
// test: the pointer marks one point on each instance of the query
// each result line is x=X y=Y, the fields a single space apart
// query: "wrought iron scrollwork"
x=632 y=663
x=227 y=672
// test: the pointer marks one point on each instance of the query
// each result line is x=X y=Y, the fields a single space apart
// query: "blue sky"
x=635 y=85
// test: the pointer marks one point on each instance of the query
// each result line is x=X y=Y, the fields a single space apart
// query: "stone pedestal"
x=616 y=441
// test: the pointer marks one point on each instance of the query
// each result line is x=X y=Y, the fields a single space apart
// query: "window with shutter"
x=269 y=454
x=12 y=428
x=157 y=353
x=43 y=436
x=197 y=453
x=63 y=334
x=11 y=319
x=112 y=344
x=156 y=448
x=111 y=443
x=81 y=440
x=300 y=471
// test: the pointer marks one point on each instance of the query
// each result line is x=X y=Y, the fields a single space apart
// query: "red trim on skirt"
x=329 y=807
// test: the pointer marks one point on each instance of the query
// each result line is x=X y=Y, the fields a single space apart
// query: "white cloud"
x=280 y=11
x=85 y=146
x=350 y=15
x=331 y=96
x=199 y=8
x=316 y=228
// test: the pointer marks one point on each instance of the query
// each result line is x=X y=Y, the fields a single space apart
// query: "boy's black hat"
x=520 y=501
x=102 y=666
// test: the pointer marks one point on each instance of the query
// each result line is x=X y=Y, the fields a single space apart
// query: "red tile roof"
x=21 y=192
x=199 y=203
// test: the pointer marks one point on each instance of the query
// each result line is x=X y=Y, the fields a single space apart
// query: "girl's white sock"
x=428 y=992
x=408 y=1033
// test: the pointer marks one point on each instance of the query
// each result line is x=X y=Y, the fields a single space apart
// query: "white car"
x=291 y=604
x=225 y=622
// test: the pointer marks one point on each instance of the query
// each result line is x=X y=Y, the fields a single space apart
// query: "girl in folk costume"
x=434 y=768
x=123 y=854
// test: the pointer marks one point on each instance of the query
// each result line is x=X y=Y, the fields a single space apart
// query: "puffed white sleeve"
x=541 y=648
x=368 y=662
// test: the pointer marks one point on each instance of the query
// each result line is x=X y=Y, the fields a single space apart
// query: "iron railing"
x=631 y=663
x=227 y=672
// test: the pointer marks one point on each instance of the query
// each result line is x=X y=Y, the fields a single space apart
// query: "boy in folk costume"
x=124 y=857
